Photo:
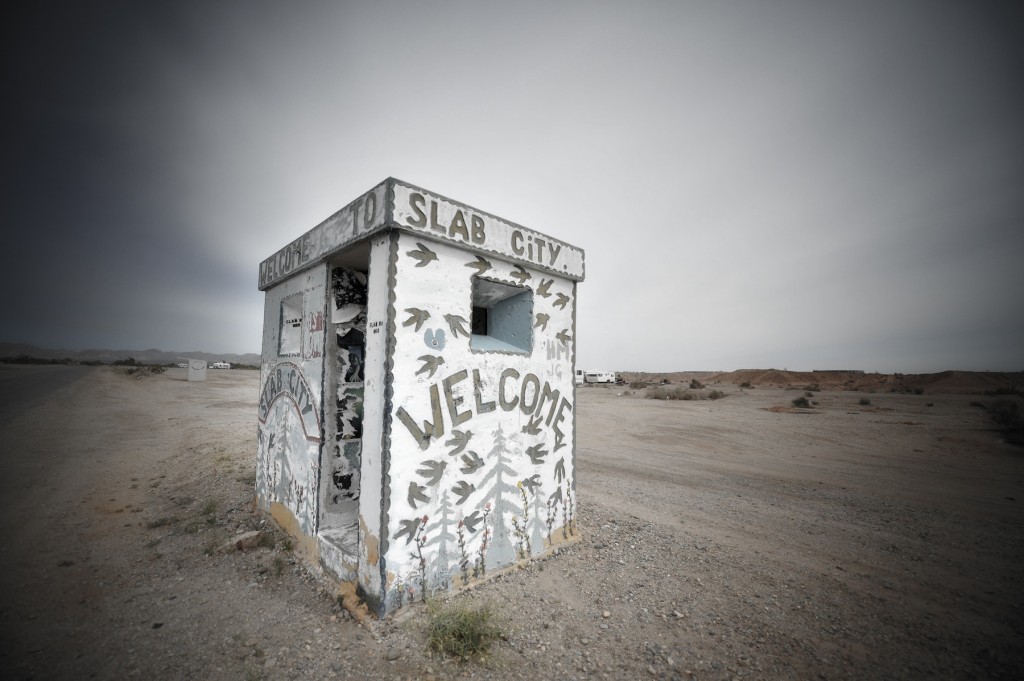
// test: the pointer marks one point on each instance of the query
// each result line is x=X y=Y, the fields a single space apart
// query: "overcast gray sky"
x=756 y=184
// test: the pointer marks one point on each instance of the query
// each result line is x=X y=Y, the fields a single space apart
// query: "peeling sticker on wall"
x=348 y=319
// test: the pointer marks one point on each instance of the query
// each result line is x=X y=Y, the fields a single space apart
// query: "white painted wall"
x=370 y=498
x=290 y=408
x=481 y=440
x=197 y=369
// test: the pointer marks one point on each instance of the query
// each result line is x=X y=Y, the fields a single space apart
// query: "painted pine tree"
x=279 y=449
x=503 y=496
x=442 y=534
x=536 y=525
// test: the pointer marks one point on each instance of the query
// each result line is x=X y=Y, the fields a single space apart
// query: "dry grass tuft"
x=461 y=631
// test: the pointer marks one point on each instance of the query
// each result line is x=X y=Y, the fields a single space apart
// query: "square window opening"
x=502 y=317
x=479 y=321
x=290 y=341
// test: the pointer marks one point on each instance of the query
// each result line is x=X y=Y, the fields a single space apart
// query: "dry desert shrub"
x=1011 y=390
x=1006 y=414
x=681 y=393
x=459 y=630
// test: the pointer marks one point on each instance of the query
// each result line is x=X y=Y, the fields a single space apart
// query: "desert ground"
x=734 y=538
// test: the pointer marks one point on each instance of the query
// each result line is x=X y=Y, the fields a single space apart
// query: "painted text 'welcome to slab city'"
x=416 y=210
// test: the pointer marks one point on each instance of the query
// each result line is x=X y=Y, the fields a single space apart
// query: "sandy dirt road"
x=720 y=540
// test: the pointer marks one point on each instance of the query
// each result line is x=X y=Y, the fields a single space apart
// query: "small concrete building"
x=417 y=396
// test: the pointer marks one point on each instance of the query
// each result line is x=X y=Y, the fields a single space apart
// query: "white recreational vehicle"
x=599 y=377
x=220 y=365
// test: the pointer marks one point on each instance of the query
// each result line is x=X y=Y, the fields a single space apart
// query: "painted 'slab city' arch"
x=416 y=422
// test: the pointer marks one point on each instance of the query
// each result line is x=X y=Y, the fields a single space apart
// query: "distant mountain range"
x=151 y=356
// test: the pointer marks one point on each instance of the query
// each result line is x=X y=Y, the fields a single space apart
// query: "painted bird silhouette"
x=432 y=471
x=409 y=528
x=564 y=336
x=560 y=470
x=557 y=495
x=532 y=426
x=459 y=440
x=559 y=441
x=480 y=265
x=544 y=290
x=422 y=254
x=473 y=462
x=472 y=520
x=560 y=300
x=537 y=453
x=430 y=363
x=463 y=489
x=457 y=324
x=542 y=321
x=416 y=316
x=416 y=494
x=520 y=274
x=531 y=483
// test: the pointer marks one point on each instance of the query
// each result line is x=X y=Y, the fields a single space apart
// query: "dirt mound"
x=944 y=382
x=969 y=382
x=781 y=378
x=671 y=377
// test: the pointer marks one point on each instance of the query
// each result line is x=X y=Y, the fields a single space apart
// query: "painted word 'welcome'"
x=527 y=395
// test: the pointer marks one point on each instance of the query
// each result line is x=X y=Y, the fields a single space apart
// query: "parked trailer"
x=220 y=365
x=599 y=377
